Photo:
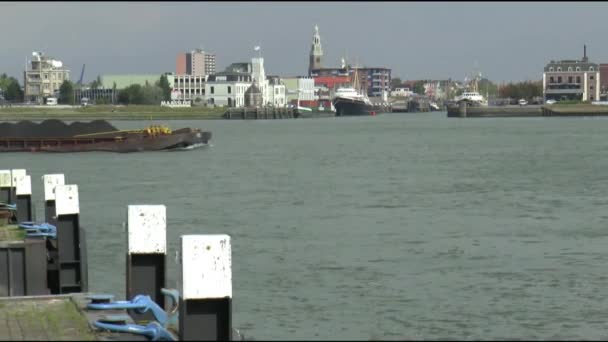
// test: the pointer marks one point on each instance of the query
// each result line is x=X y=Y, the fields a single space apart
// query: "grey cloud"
x=507 y=41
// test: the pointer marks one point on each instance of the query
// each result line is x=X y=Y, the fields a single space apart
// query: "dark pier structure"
x=260 y=113
x=464 y=110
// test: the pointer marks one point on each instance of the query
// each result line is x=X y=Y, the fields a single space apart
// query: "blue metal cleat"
x=140 y=304
x=118 y=323
x=100 y=298
x=46 y=231
x=173 y=314
x=34 y=229
x=44 y=227
x=8 y=206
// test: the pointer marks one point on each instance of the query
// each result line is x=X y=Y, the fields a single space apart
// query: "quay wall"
x=260 y=113
x=526 y=111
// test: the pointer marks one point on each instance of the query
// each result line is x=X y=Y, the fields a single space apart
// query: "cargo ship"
x=98 y=135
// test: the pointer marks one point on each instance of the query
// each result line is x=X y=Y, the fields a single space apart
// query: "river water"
x=399 y=226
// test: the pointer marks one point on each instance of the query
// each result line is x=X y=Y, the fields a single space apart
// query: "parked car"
x=550 y=102
x=523 y=102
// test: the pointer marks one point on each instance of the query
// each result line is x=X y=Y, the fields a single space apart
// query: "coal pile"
x=52 y=129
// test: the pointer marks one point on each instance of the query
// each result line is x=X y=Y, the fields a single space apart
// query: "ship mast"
x=356 y=83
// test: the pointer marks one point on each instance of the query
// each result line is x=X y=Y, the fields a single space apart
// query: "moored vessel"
x=99 y=135
x=350 y=101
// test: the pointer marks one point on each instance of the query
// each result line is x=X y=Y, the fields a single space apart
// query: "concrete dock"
x=44 y=287
x=54 y=318
x=576 y=110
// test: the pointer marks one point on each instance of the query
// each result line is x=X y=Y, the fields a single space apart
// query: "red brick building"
x=603 y=78
x=332 y=82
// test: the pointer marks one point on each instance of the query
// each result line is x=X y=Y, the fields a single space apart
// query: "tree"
x=527 y=90
x=486 y=86
x=395 y=82
x=96 y=83
x=163 y=83
x=152 y=94
x=419 y=88
x=132 y=94
x=4 y=82
x=66 y=93
x=13 y=91
x=136 y=94
x=11 y=88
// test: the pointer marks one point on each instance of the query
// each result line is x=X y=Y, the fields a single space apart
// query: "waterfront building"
x=196 y=62
x=402 y=92
x=332 y=82
x=227 y=88
x=189 y=87
x=253 y=96
x=377 y=80
x=603 y=80
x=276 y=92
x=122 y=81
x=291 y=88
x=300 y=86
x=242 y=67
x=436 y=89
x=43 y=78
x=95 y=96
x=572 y=80
x=374 y=81
x=273 y=94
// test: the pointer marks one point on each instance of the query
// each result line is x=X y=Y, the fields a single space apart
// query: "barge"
x=99 y=135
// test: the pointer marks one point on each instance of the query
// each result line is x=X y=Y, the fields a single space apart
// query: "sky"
x=505 y=41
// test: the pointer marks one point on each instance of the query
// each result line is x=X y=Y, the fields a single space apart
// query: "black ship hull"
x=351 y=107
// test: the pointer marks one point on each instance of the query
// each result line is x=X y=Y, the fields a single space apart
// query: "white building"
x=404 y=92
x=301 y=87
x=276 y=92
x=190 y=87
x=433 y=89
x=273 y=94
x=306 y=88
x=259 y=75
x=44 y=78
x=227 y=89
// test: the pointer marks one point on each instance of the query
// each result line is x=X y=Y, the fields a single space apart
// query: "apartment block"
x=196 y=63
x=43 y=78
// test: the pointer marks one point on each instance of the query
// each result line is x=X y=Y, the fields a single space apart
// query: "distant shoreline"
x=133 y=112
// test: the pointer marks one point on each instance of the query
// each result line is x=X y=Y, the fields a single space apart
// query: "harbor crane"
x=81 y=76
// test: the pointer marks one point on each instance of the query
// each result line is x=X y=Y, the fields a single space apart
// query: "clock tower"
x=316 y=52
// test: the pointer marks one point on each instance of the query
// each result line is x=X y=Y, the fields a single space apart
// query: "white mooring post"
x=146 y=254
x=6 y=182
x=23 y=194
x=50 y=182
x=14 y=174
x=71 y=243
x=205 y=308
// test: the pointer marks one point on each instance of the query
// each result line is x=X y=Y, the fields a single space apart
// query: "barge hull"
x=134 y=143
